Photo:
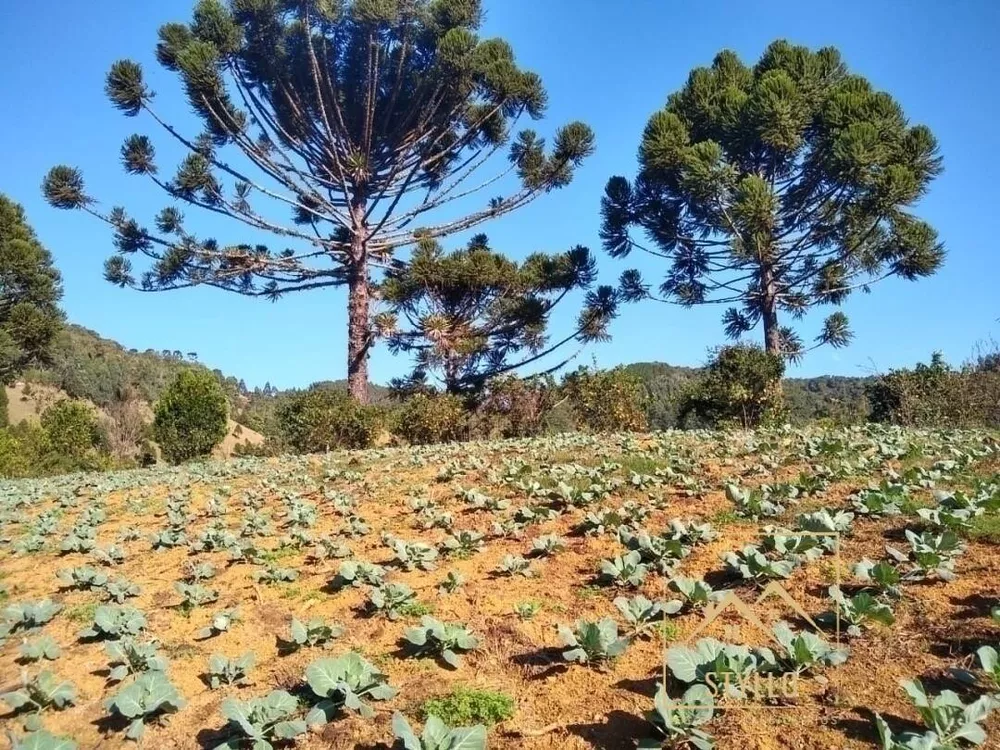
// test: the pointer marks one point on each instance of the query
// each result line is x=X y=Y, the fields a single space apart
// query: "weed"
x=986 y=528
x=467 y=706
x=415 y=609
x=82 y=612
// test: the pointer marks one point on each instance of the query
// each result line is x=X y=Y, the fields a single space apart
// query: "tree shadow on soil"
x=974 y=606
x=646 y=686
x=209 y=738
x=618 y=731
x=543 y=662
x=860 y=724
x=958 y=646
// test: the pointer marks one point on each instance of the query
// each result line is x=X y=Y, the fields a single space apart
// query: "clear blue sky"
x=609 y=64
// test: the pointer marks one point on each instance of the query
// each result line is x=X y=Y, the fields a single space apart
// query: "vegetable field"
x=513 y=594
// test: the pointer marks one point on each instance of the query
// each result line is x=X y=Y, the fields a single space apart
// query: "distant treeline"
x=833 y=397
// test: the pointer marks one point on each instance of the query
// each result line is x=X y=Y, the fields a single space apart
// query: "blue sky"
x=608 y=64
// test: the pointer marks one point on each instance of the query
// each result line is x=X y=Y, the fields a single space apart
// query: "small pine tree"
x=190 y=417
x=30 y=290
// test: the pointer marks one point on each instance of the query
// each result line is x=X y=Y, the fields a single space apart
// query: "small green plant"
x=804 y=651
x=82 y=578
x=112 y=622
x=391 y=600
x=120 y=589
x=512 y=565
x=593 y=642
x=221 y=622
x=127 y=657
x=195 y=595
x=44 y=647
x=437 y=735
x=881 y=576
x=527 y=610
x=313 y=632
x=274 y=574
x=547 y=545
x=463 y=544
x=260 y=723
x=642 y=615
x=989 y=663
x=949 y=722
x=679 y=722
x=28 y=615
x=357 y=573
x=436 y=638
x=413 y=555
x=451 y=583
x=627 y=570
x=465 y=706
x=858 y=611
x=223 y=670
x=660 y=552
x=710 y=661
x=42 y=692
x=694 y=592
x=41 y=740
x=196 y=572
x=753 y=503
x=150 y=696
x=168 y=538
x=345 y=683
x=751 y=564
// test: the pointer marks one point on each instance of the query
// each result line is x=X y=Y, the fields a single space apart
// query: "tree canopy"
x=773 y=189
x=351 y=123
x=190 y=418
x=30 y=290
x=474 y=314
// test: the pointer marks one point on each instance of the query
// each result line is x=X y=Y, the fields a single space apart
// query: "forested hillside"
x=88 y=366
x=828 y=396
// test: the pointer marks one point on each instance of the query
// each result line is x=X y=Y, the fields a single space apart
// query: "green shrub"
x=4 y=418
x=741 y=385
x=13 y=462
x=72 y=429
x=425 y=418
x=466 y=706
x=323 y=418
x=190 y=416
x=935 y=394
x=606 y=400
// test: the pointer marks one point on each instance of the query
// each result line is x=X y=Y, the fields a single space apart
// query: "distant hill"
x=90 y=367
x=826 y=396
x=26 y=402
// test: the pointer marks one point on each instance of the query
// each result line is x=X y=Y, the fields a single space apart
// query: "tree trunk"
x=769 y=311
x=358 y=321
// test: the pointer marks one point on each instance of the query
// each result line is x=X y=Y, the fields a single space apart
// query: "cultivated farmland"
x=533 y=586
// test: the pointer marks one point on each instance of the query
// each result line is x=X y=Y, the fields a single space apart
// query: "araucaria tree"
x=473 y=314
x=30 y=290
x=356 y=118
x=776 y=188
